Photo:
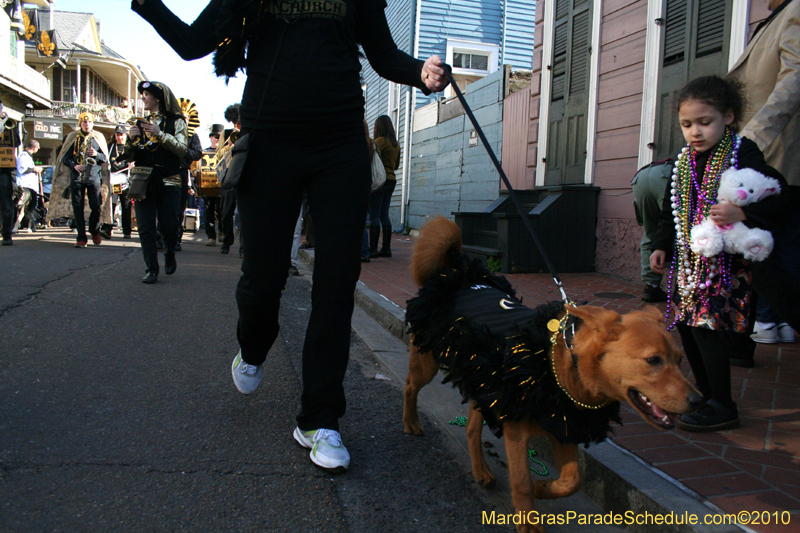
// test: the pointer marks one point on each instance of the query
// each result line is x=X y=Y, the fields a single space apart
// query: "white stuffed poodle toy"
x=738 y=187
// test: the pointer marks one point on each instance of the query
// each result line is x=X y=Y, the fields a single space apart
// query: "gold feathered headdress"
x=192 y=115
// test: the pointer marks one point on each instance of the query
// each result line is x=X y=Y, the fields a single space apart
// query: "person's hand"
x=657 y=259
x=725 y=213
x=433 y=74
x=151 y=128
x=91 y=152
x=79 y=168
x=134 y=132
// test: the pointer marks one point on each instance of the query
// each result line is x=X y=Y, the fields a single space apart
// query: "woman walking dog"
x=308 y=137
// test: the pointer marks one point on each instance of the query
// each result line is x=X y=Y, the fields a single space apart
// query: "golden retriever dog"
x=557 y=370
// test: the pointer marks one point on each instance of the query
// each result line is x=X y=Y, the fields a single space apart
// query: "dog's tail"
x=438 y=245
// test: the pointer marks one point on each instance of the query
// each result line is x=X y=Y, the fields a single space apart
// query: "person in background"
x=769 y=69
x=228 y=197
x=9 y=138
x=380 y=200
x=161 y=207
x=648 y=187
x=212 y=206
x=86 y=156
x=115 y=150
x=29 y=178
x=194 y=151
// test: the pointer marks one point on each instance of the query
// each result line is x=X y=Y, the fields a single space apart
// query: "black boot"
x=386 y=250
x=374 y=236
x=713 y=416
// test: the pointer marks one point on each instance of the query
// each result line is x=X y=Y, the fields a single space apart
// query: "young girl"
x=714 y=296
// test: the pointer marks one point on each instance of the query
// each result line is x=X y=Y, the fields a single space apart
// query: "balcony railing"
x=102 y=113
x=21 y=74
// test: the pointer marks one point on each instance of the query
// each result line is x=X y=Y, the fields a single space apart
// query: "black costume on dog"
x=496 y=352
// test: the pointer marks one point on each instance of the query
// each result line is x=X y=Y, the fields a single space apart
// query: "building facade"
x=475 y=37
x=601 y=98
x=83 y=74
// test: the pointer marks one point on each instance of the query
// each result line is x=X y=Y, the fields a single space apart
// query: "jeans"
x=158 y=211
x=333 y=169
x=777 y=283
x=379 y=202
x=80 y=194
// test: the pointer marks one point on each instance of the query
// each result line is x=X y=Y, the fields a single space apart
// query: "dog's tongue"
x=660 y=414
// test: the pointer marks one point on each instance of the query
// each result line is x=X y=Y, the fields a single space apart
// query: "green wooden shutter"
x=694 y=43
x=566 y=147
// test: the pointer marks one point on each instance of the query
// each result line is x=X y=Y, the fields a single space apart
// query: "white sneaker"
x=785 y=333
x=245 y=377
x=327 y=450
x=765 y=333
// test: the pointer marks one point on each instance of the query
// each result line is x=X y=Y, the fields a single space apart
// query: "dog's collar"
x=567 y=326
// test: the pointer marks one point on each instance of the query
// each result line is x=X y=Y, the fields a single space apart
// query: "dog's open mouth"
x=654 y=413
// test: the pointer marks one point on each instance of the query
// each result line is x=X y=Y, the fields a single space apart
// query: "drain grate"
x=614 y=295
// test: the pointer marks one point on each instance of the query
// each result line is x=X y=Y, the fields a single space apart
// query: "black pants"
x=80 y=194
x=125 y=207
x=226 y=223
x=335 y=173
x=159 y=210
x=211 y=209
x=708 y=352
x=7 y=208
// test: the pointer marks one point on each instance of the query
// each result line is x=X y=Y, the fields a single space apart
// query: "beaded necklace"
x=698 y=277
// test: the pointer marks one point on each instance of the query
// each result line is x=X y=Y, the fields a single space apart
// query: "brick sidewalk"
x=754 y=468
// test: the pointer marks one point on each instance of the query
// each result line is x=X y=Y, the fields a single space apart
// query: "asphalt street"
x=118 y=412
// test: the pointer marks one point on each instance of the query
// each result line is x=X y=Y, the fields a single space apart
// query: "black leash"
x=503 y=176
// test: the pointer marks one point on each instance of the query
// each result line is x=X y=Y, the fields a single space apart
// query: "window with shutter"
x=560 y=62
x=710 y=27
x=569 y=100
x=675 y=32
x=579 y=67
x=694 y=43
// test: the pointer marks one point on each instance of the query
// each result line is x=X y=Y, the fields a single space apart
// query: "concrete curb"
x=614 y=478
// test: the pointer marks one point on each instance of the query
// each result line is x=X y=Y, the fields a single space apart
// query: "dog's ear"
x=607 y=324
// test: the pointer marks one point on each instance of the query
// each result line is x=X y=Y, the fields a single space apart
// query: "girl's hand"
x=657 y=259
x=433 y=75
x=724 y=214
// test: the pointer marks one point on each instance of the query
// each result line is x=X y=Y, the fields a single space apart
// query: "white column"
x=740 y=28
x=78 y=81
x=546 y=89
x=652 y=60
x=594 y=82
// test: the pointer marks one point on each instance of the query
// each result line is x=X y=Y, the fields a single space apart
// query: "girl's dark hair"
x=384 y=128
x=722 y=94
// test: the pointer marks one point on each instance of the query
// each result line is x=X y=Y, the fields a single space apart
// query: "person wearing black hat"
x=9 y=138
x=302 y=63
x=159 y=143
x=212 y=204
x=115 y=149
